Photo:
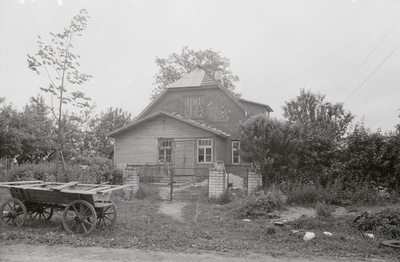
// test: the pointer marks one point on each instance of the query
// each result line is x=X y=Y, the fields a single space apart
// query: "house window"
x=204 y=150
x=194 y=107
x=165 y=151
x=235 y=152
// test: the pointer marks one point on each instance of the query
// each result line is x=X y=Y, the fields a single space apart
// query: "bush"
x=223 y=199
x=337 y=193
x=43 y=172
x=384 y=223
x=303 y=194
x=89 y=170
x=270 y=230
x=258 y=206
x=323 y=210
x=147 y=192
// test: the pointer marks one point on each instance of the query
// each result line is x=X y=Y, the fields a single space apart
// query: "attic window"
x=194 y=107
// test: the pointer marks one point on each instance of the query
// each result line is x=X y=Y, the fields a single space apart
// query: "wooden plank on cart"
x=19 y=183
x=112 y=189
x=60 y=187
x=96 y=186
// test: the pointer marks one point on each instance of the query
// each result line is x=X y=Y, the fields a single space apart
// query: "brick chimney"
x=219 y=76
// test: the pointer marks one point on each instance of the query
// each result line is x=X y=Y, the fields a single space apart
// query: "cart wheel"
x=79 y=217
x=44 y=212
x=13 y=211
x=106 y=216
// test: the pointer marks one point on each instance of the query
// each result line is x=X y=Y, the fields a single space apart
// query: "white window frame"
x=164 y=144
x=235 y=149
x=194 y=107
x=203 y=147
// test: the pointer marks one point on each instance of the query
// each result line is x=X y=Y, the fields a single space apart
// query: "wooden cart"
x=85 y=206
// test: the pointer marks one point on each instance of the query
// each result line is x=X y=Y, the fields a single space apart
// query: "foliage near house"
x=314 y=148
x=179 y=64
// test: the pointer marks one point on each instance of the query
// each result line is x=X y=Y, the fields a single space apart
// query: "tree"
x=271 y=145
x=177 y=65
x=310 y=110
x=323 y=127
x=108 y=121
x=37 y=131
x=10 y=123
x=59 y=64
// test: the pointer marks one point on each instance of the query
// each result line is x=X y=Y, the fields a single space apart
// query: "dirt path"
x=172 y=208
x=97 y=254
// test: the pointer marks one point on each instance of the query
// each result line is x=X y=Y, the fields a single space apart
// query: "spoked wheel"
x=42 y=212
x=106 y=216
x=13 y=212
x=79 y=217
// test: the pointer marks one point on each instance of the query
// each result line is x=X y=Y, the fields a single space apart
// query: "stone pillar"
x=216 y=183
x=131 y=177
x=254 y=180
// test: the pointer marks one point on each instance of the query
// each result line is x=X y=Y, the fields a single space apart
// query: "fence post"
x=171 y=174
x=131 y=177
x=216 y=182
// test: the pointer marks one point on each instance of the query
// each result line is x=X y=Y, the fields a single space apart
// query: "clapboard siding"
x=139 y=145
x=220 y=149
x=219 y=109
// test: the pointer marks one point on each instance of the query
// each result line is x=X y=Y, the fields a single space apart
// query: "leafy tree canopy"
x=313 y=112
x=56 y=61
x=177 y=65
x=271 y=145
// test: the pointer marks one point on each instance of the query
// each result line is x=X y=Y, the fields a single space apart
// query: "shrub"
x=147 y=192
x=258 y=206
x=141 y=193
x=384 y=223
x=270 y=230
x=337 y=193
x=223 y=199
x=303 y=194
x=323 y=210
x=44 y=172
x=90 y=170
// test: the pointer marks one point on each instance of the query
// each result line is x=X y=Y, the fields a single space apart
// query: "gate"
x=189 y=183
x=167 y=182
x=170 y=182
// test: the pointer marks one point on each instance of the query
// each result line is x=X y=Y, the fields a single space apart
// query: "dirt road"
x=22 y=252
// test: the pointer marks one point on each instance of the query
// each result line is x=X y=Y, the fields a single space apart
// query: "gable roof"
x=174 y=116
x=199 y=78
x=256 y=103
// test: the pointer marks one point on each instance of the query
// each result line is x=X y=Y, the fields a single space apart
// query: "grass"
x=207 y=227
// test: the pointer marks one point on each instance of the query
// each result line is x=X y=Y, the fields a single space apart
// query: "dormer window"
x=194 y=107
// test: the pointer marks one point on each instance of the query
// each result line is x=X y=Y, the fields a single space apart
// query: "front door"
x=184 y=157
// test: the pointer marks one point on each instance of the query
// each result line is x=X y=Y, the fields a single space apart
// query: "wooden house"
x=191 y=124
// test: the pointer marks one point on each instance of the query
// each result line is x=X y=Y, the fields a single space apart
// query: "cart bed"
x=60 y=194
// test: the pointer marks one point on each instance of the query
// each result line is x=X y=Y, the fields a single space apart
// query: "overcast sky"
x=344 y=49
